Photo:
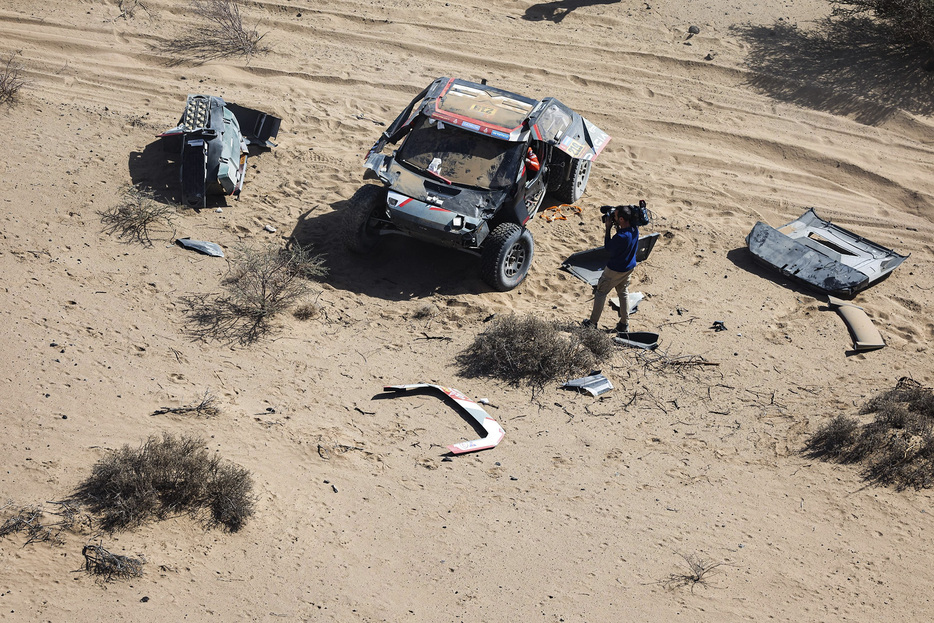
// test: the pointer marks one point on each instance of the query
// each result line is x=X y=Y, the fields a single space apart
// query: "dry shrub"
x=698 y=571
x=425 y=311
x=224 y=26
x=910 y=20
x=33 y=522
x=137 y=216
x=528 y=349
x=100 y=562
x=166 y=477
x=896 y=448
x=262 y=284
x=207 y=405
x=11 y=79
x=308 y=311
x=834 y=438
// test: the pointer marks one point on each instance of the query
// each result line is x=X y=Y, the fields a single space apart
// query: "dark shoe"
x=587 y=323
x=622 y=327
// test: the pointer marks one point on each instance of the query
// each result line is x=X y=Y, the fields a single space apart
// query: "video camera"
x=638 y=215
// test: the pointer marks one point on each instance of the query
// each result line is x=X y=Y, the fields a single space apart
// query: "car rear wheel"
x=361 y=232
x=507 y=256
x=573 y=188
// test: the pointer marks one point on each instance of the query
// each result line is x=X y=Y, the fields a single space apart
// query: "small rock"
x=694 y=30
x=144 y=599
x=709 y=56
x=219 y=210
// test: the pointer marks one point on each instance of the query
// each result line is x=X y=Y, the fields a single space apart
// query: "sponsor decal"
x=470 y=126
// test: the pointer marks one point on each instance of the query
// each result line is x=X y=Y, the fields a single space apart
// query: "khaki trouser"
x=608 y=280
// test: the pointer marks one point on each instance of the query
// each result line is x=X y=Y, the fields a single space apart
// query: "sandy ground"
x=588 y=506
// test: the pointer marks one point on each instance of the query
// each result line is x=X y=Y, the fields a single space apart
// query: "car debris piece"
x=494 y=432
x=595 y=384
x=212 y=138
x=208 y=248
x=865 y=335
x=588 y=265
x=473 y=167
x=645 y=340
x=822 y=255
x=633 y=298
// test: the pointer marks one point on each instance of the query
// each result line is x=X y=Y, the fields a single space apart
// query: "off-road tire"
x=360 y=236
x=574 y=186
x=507 y=256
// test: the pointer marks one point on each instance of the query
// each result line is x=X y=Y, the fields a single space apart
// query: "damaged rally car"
x=211 y=140
x=473 y=168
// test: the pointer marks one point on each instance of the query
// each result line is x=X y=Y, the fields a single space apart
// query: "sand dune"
x=584 y=511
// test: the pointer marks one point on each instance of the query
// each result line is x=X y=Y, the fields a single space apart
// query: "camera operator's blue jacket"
x=622 y=248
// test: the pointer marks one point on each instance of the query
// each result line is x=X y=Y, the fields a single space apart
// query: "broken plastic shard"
x=595 y=384
x=865 y=335
x=208 y=248
x=494 y=432
x=634 y=298
x=638 y=339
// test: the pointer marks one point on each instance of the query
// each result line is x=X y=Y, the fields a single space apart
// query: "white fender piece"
x=865 y=335
x=494 y=432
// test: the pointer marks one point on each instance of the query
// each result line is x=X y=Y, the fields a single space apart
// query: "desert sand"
x=588 y=507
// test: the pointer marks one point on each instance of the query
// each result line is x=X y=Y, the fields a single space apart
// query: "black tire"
x=507 y=256
x=574 y=186
x=360 y=233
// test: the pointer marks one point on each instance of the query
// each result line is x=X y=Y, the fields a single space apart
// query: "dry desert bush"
x=528 y=349
x=137 y=216
x=698 y=572
x=226 y=27
x=910 y=20
x=102 y=563
x=41 y=525
x=220 y=32
x=896 y=448
x=165 y=477
x=11 y=79
x=262 y=284
x=207 y=405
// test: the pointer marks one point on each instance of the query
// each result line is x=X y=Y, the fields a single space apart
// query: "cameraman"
x=622 y=248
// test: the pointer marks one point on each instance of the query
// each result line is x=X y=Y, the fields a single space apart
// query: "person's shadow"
x=558 y=10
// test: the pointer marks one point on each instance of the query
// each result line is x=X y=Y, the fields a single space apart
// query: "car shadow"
x=848 y=67
x=156 y=170
x=559 y=9
x=399 y=268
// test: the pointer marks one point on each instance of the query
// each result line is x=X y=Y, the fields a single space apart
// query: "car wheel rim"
x=514 y=260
